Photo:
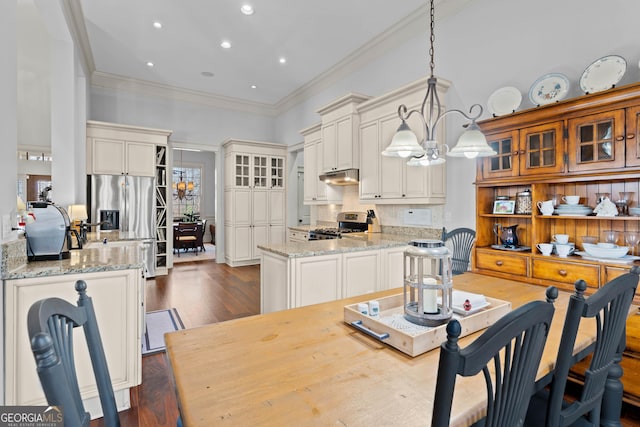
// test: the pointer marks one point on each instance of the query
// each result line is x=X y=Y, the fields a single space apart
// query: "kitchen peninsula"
x=113 y=273
x=296 y=274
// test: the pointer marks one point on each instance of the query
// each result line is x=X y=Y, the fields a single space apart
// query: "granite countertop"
x=352 y=242
x=95 y=259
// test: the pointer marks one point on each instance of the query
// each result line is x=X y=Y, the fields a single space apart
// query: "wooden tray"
x=415 y=340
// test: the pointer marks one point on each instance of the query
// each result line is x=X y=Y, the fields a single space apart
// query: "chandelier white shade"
x=404 y=143
x=471 y=144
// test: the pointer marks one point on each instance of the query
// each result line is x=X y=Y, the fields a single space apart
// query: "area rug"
x=158 y=323
x=207 y=255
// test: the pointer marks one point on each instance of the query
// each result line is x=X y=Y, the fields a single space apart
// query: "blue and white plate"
x=603 y=74
x=549 y=88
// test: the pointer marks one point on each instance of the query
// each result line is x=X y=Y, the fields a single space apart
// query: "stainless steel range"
x=348 y=222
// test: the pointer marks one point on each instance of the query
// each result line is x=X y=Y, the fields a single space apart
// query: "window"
x=186 y=191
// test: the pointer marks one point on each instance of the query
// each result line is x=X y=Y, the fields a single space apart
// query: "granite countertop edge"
x=353 y=242
x=81 y=261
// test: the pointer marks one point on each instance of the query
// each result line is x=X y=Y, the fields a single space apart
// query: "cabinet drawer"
x=566 y=272
x=502 y=262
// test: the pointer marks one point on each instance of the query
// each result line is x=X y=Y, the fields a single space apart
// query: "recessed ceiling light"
x=157 y=24
x=225 y=44
x=254 y=87
x=150 y=64
x=247 y=9
x=206 y=74
x=283 y=60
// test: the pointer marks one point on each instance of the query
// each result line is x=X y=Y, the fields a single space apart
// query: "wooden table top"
x=306 y=367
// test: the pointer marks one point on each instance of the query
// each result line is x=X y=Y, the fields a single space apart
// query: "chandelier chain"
x=432 y=38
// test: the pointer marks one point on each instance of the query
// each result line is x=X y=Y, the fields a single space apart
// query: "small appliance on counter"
x=49 y=236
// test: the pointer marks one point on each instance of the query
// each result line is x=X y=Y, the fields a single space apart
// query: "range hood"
x=343 y=177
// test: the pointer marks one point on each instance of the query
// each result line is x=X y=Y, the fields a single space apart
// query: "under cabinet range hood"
x=343 y=177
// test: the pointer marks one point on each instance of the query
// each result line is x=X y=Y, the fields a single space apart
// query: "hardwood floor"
x=204 y=292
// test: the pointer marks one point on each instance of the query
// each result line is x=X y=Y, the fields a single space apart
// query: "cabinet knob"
x=631 y=136
x=499 y=263
x=515 y=153
x=563 y=273
x=620 y=138
x=522 y=152
x=404 y=195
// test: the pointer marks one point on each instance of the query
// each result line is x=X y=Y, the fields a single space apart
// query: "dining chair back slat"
x=508 y=354
x=609 y=307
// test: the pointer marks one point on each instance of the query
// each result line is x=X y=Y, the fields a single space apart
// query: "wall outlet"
x=6 y=226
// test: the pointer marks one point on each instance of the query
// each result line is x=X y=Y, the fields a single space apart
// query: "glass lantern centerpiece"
x=428 y=284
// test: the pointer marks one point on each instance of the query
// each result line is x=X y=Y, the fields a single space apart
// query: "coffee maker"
x=49 y=236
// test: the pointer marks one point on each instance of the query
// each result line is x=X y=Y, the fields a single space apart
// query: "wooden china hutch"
x=580 y=146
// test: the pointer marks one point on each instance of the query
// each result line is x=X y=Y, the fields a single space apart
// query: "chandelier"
x=183 y=189
x=472 y=143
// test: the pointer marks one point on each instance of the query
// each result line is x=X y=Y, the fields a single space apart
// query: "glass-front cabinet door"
x=260 y=169
x=277 y=172
x=541 y=149
x=505 y=144
x=597 y=141
x=242 y=170
x=633 y=136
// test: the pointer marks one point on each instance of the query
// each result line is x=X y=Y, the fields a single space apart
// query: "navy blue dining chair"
x=51 y=323
x=511 y=347
x=609 y=306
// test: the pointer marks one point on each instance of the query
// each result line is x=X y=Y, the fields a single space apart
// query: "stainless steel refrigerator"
x=127 y=204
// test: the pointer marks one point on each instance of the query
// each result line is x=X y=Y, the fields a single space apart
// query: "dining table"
x=307 y=367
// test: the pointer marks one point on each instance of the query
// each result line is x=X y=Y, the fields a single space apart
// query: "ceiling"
x=314 y=37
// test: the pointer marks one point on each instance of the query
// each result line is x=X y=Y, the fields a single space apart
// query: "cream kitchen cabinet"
x=392 y=262
x=388 y=180
x=289 y=282
x=118 y=298
x=339 y=133
x=361 y=272
x=114 y=149
x=255 y=205
x=316 y=191
x=297 y=235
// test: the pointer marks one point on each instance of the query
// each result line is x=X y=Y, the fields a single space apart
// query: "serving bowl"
x=600 y=252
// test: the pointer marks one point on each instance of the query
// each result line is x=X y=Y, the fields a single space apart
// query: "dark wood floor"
x=204 y=292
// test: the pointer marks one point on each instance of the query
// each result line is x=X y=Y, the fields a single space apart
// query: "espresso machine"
x=49 y=236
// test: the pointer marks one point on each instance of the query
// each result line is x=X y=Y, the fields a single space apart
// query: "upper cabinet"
x=528 y=151
x=388 y=179
x=315 y=191
x=114 y=149
x=597 y=141
x=339 y=133
x=586 y=135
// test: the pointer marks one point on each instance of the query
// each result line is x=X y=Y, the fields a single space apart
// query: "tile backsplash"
x=388 y=215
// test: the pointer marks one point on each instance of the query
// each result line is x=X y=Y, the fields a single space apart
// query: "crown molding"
x=114 y=81
x=412 y=25
x=73 y=9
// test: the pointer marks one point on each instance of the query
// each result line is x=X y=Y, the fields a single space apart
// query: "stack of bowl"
x=605 y=250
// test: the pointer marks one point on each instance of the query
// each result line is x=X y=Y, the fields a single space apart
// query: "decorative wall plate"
x=504 y=101
x=603 y=74
x=549 y=88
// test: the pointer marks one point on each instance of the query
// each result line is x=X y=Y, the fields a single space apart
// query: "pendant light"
x=472 y=143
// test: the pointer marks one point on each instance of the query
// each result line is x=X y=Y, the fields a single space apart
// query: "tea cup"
x=571 y=200
x=562 y=239
x=545 y=248
x=546 y=207
x=564 y=250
